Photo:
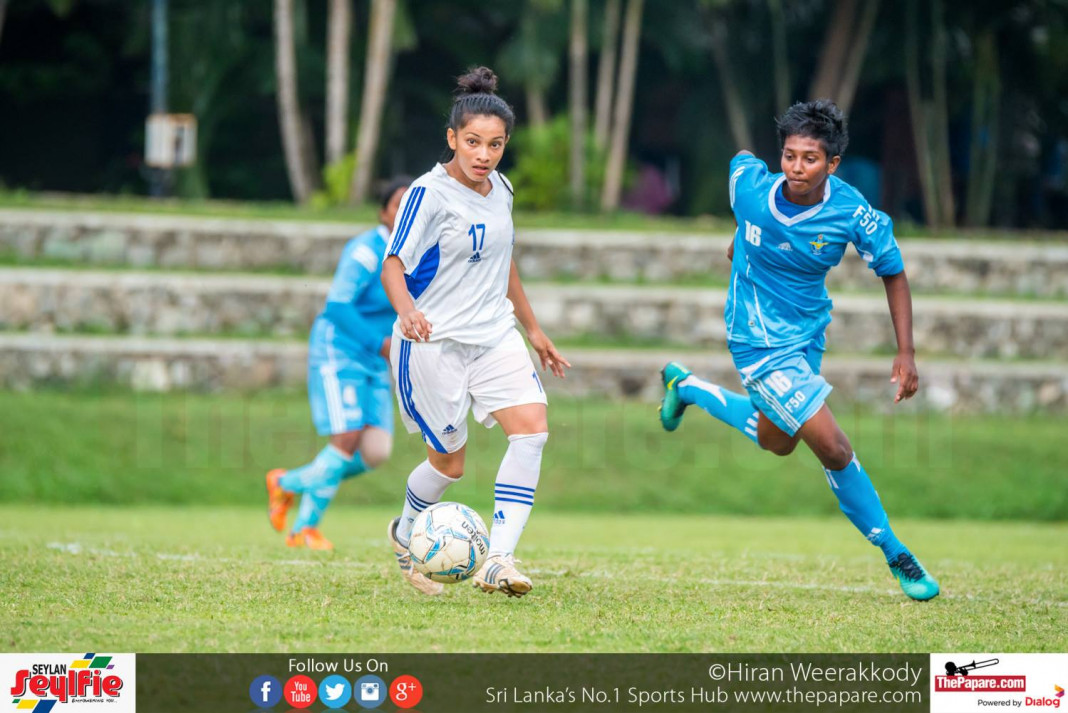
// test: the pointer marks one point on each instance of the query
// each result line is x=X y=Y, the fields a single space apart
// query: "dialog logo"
x=300 y=691
x=335 y=691
x=369 y=691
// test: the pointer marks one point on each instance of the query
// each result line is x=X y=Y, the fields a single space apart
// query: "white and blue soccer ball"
x=449 y=542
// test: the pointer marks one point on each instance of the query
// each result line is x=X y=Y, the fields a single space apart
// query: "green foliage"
x=542 y=166
x=202 y=578
x=337 y=180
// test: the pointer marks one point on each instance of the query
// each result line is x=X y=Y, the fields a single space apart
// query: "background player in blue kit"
x=793 y=227
x=348 y=383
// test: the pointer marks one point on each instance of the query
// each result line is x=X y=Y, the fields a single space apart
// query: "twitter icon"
x=335 y=691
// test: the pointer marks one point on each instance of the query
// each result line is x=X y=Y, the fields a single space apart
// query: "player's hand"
x=414 y=326
x=904 y=374
x=550 y=358
x=384 y=351
x=730 y=251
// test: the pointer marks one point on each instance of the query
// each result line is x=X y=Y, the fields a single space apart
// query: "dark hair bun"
x=478 y=80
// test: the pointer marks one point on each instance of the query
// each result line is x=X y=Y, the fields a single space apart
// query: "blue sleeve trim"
x=424 y=272
x=411 y=209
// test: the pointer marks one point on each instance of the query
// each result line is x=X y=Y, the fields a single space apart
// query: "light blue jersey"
x=777 y=296
x=348 y=379
x=357 y=317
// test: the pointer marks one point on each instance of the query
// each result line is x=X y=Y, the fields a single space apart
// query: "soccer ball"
x=449 y=542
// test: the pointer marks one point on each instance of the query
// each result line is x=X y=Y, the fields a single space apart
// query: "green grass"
x=204 y=578
x=118 y=447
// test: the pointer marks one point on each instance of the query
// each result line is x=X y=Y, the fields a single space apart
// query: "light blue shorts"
x=345 y=400
x=784 y=383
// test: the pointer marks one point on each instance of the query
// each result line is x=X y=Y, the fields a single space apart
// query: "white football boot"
x=498 y=574
x=404 y=560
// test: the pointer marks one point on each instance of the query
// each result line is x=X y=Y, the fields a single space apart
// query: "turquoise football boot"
x=913 y=578
x=672 y=407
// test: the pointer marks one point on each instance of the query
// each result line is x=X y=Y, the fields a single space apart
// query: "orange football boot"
x=278 y=500
x=311 y=538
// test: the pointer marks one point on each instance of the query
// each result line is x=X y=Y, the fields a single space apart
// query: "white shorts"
x=439 y=382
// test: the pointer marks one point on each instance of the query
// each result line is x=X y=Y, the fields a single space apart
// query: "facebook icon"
x=265 y=691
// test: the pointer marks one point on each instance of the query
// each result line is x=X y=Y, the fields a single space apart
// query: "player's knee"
x=376 y=447
x=777 y=443
x=781 y=448
x=834 y=453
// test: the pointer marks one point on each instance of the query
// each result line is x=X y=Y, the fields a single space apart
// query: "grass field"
x=218 y=579
x=135 y=522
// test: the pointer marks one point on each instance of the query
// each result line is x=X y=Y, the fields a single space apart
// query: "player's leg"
x=682 y=388
x=431 y=389
x=341 y=409
x=860 y=502
x=505 y=388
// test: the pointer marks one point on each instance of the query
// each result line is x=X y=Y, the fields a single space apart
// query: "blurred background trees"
x=957 y=108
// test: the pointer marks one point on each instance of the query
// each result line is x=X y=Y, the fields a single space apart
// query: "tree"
x=845 y=44
x=375 y=86
x=779 y=55
x=577 y=84
x=606 y=70
x=929 y=117
x=628 y=70
x=339 y=28
x=532 y=54
x=299 y=165
x=732 y=97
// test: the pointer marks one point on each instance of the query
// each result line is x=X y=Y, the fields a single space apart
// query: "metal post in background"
x=159 y=179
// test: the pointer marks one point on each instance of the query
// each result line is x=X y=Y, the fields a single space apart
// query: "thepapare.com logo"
x=38 y=687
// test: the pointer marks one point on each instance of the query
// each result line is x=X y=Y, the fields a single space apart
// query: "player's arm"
x=413 y=324
x=550 y=358
x=903 y=372
x=355 y=274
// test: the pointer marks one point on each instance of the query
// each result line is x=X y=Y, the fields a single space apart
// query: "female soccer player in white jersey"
x=450 y=276
x=793 y=227
x=348 y=383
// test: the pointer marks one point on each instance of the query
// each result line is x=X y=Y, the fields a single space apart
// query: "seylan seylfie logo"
x=90 y=678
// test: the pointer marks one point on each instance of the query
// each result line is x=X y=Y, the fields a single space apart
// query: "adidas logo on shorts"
x=477 y=257
x=448 y=430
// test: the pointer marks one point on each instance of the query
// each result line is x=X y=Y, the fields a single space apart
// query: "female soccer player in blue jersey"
x=450 y=275
x=348 y=383
x=793 y=227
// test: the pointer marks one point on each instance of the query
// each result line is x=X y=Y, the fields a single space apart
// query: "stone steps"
x=160 y=364
x=1008 y=268
x=132 y=302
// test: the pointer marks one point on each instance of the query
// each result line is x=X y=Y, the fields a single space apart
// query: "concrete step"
x=1009 y=268
x=29 y=360
x=130 y=302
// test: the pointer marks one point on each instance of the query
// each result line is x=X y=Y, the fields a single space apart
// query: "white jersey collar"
x=787 y=221
x=440 y=172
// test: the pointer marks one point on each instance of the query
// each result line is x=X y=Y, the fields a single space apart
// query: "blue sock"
x=731 y=408
x=860 y=503
x=318 y=482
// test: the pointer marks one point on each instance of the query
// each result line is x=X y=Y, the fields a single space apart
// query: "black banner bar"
x=205 y=683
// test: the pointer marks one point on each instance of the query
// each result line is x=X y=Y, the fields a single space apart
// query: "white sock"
x=514 y=494
x=426 y=485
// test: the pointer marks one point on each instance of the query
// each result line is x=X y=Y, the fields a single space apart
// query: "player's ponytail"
x=476 y=95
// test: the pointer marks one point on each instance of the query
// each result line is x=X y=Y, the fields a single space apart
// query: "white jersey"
x=456 y=246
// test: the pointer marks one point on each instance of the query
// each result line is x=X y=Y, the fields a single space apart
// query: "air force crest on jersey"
x=818 y=245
